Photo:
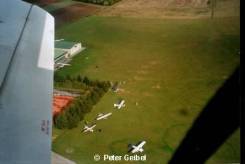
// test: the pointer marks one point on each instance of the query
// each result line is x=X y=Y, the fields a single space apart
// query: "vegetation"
x=169 y=66
x=101 y=2
x=75 y=112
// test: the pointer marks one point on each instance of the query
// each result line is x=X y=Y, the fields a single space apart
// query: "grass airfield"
x=170 y=67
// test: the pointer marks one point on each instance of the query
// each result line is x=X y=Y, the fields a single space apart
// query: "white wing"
x=141 y=144
x=138 y=147
x=26 y=83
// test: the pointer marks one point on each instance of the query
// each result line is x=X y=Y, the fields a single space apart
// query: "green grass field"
x=171 y=68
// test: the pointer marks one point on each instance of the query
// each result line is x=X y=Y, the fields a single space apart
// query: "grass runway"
x=171 y=68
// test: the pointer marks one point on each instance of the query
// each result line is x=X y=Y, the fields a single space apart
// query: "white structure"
x=72 y=48
x=64 y=51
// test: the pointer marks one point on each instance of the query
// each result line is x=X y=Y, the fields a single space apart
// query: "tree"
x=86 y=80
x=213 y=5
x=91 y=92
x=60 y=121
x=99 y=91
x=79 y=78
x=78 y=108
x=95 y=97
x=68 y=77
x=72 y=120
x=59 y=78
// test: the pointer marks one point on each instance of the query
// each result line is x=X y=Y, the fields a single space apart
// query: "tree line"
x=75 y=112
x=101 y=2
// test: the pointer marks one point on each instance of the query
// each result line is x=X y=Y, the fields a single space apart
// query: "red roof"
x=60 y=102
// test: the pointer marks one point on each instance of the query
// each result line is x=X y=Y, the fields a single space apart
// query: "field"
x=172 y=9
x=72 y=12
x=169 y=69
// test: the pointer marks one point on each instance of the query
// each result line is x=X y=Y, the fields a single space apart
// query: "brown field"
x=177 y=9
x=170 y=8
x=43 y=3
x=73 y=12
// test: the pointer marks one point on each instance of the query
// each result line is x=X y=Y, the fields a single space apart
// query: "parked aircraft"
x=89 y=128
x=103 y=116
x=120 y=104
x=137 y=148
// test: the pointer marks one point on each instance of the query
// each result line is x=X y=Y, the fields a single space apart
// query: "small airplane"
x=63 y=64
x=89 y=128
x=103 y=116
x=137 y=148
x=58 y=40
x=120 y=104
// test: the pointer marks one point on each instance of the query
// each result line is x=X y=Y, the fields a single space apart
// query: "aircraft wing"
x=141 y=144
x=130 y=150
x=26 y=83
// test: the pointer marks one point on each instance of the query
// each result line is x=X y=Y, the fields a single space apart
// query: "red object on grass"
x=60 y=102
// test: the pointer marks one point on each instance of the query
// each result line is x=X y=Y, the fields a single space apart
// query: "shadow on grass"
x=216 y=123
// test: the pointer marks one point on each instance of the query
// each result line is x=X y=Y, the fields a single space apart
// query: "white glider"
x=103 y=116
x=138 y=147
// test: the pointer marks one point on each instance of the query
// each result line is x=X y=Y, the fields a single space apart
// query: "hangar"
x=72 y=48
x=59 y=55
x=64 y=51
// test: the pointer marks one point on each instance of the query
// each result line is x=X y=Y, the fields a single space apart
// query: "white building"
x=72 y=48
x=64 y=51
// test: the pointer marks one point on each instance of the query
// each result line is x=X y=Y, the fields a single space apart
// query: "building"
x=64 y=51
x=72 y=48
x=59 y=55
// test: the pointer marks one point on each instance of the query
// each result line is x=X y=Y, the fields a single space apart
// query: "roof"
x=64 y=44
x=59 y=102
x=58 y=53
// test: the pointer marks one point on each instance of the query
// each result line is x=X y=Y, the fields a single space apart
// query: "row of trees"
x=101 y=2
x=77 y=82
x=75 y=112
